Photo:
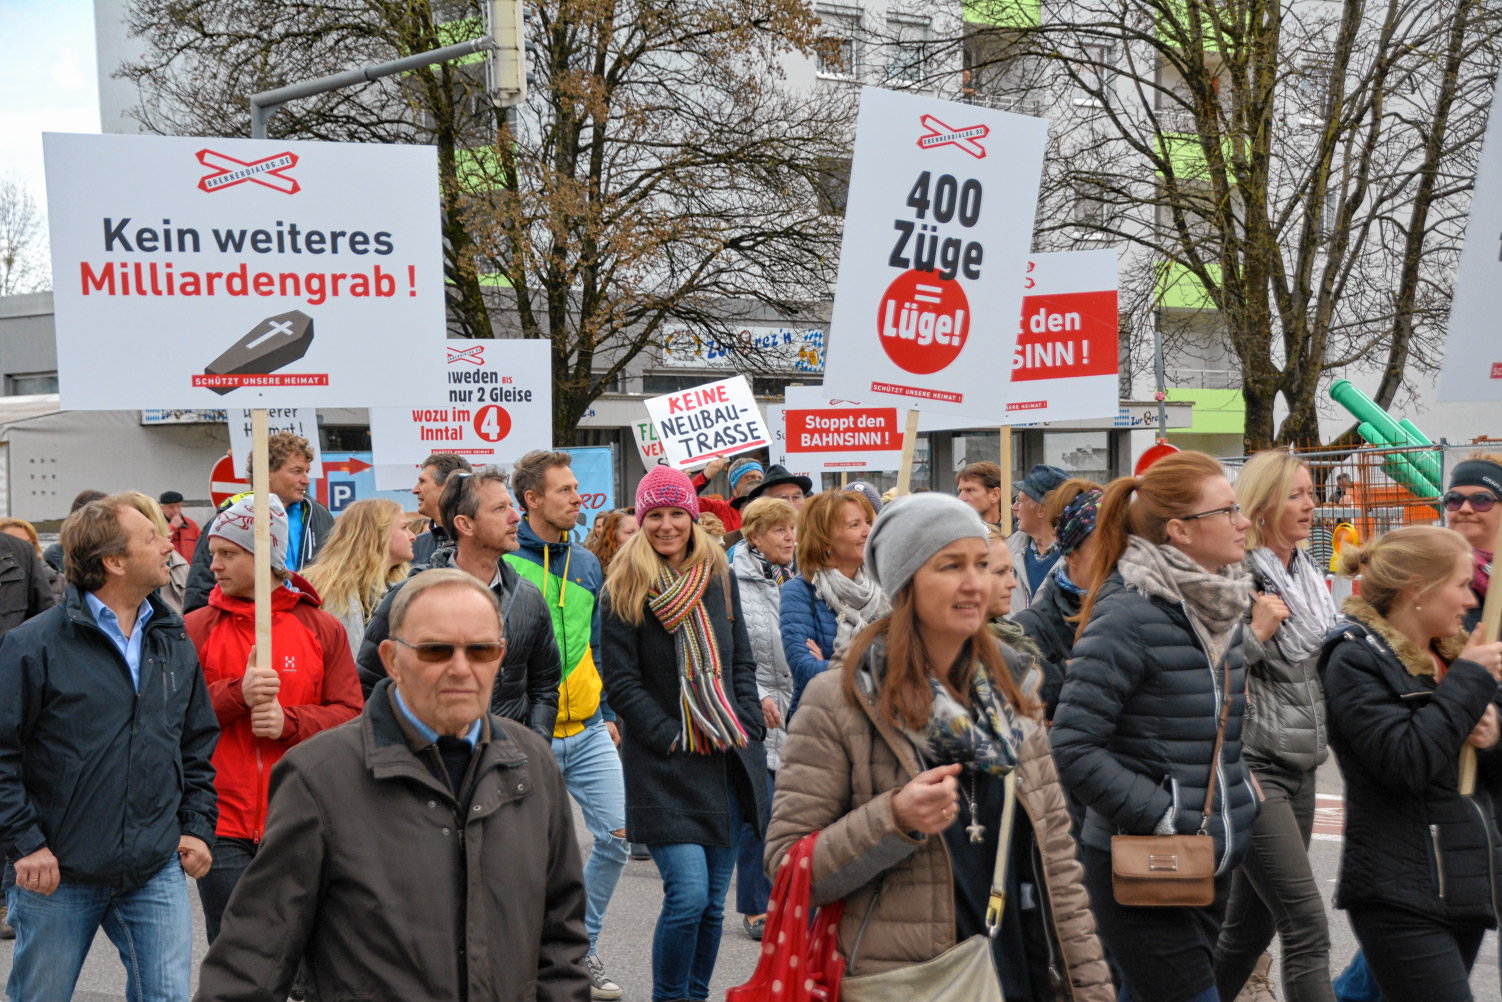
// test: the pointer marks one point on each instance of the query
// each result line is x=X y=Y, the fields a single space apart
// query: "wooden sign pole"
x=909 y=443
x=261 y=486
x=1006 y=480
x=1491 y=624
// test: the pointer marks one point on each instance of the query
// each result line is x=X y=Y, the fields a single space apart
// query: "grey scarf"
x=856 y=604
x=1302 y=588
x=1215 y=602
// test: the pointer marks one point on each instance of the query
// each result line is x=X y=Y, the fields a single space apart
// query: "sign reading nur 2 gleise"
x=937 y=225
x=243 y=273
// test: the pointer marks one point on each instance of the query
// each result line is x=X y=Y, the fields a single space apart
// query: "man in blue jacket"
x=106 y=785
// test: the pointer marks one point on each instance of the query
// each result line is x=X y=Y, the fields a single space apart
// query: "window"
x=1314 y=87
x=906 y=51
x=1097 y=73
x=25 y=384
x=833 y=185
x=1091 y=212
x=656 y=385
x=839 y=50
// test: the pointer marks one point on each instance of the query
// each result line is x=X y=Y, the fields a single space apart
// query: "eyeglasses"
x=1232 y=513
x=1481 y=502
x=435 y=653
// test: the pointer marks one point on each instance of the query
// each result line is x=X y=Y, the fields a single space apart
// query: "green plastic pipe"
x=1379 y=429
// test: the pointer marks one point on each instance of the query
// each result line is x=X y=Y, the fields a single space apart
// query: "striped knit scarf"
x=708 y=718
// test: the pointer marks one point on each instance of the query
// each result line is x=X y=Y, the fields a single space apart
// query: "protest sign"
x=496 y=408
x=844 y=438
x=648 y=445
x=594 y=468
x=1065 y=364
x=298 y=420
x=777 y=431
x=711 y=421
x=938 y=221
x=242 y=273
x=1472 y=369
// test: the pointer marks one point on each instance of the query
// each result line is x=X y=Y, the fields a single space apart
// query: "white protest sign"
x=843 y=437
x=708 y=422
x=1472 y=369
x=243 y=273
x=496 y=407
x=648 y=445
x=776 y=428
x=1065 y=363
x=939 y=218
x=301 y=421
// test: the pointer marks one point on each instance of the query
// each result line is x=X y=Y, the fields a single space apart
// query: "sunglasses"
x=1482 y=502
x=438 y=653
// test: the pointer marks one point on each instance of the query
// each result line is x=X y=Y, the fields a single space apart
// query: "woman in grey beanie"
x=902 y=759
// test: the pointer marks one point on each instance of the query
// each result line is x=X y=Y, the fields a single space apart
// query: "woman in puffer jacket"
x=898 y=759
x=1135 y=731
x=762 y=564
x=1407 y=690
x=1284 y=738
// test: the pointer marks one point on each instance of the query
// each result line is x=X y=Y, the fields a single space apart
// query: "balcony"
x=1175 y=287
x=1173 y=24
x=1016 y=104
x=1186 y=154
x=1015 y=15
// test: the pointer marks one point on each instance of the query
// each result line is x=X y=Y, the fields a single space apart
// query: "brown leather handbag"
x=1172 y=871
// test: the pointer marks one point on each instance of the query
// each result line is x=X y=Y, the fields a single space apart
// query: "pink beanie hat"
x=665 y=487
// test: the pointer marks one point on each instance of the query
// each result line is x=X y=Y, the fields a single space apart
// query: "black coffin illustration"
x=271 y=344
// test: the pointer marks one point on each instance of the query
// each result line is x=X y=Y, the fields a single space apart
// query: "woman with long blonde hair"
x=681 y=673
x=369 y=550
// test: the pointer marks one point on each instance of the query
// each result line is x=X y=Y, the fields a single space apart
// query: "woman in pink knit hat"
x=682 y=680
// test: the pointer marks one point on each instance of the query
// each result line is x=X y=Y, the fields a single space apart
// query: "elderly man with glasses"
x=423 y=851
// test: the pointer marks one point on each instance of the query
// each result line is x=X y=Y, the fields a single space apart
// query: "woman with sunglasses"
x=681 y=673
x=1473 y=508
x=1157 y=667
x=1285 y=738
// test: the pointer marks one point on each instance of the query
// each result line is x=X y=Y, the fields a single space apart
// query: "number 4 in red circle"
x=492 y=423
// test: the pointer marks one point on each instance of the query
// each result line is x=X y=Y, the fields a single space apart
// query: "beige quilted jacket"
x=840 y=769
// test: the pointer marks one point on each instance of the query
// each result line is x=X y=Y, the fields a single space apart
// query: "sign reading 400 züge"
x=939 y=219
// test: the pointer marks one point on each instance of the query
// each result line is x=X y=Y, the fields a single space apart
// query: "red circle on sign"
x=224 y=482
x=1152 y=455
x=922 y=321
x=492 y=423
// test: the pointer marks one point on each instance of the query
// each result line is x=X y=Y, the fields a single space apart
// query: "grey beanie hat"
x=913 y=528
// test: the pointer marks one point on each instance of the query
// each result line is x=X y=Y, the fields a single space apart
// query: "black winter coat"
x=106 y=777
x=1135 y=729
x=676 y=796
x=526 y=687
x=1411 y=840
x=1045 y=624
x=25 y=589
x=318 y=522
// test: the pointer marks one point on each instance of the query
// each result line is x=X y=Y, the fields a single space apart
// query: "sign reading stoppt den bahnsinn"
x=496 y=406
x=243 y=273
x=708 y=422
x=938 y=223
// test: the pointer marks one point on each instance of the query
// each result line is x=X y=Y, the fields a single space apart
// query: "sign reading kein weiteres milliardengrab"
x=243 y=273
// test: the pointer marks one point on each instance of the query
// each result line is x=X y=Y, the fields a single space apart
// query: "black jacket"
x=676 y=796
x=429 y=543
x=105 y=777
x=317 y=524
x=1045 y=624
x=25 y=589
x=526 y=687
x=1135 y=730
x=1411 y=840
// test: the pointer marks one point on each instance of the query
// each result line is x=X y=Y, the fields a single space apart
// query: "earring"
x=1418 y=608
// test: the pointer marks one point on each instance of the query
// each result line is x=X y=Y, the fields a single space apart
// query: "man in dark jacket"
x=425 y=851
x=106 y=781
x=526 y=690
x=436 y=470
x=24 y=591
x=309 y=523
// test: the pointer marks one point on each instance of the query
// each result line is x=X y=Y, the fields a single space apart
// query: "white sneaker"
x=600 y=986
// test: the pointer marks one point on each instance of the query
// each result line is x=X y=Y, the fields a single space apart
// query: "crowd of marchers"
x=1084 y=752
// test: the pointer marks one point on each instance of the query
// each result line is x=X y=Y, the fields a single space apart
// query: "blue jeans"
x=231 y=858
x=687 y=940
x=151 y=926
x=752 y=888
x=592 y=771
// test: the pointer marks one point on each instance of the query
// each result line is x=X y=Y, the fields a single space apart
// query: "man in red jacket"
x=310 y=685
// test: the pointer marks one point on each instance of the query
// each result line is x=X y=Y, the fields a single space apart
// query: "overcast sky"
x=48 y=81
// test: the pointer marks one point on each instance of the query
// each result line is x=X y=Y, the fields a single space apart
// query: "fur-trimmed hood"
x=1414 y=660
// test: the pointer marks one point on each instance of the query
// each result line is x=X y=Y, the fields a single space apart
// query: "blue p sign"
x=341 y=495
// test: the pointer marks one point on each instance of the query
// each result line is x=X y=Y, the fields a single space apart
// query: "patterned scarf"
x=1483 y=574
x=708 y=722
x=986 y=738
x=1215 y=602
x=1311 y=609
x=1077 y=520
x=776 y=572
x=856 y=603
x=1061 y=577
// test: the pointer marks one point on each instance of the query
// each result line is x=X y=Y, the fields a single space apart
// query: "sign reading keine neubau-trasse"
x=243 y=273
x=937 y=229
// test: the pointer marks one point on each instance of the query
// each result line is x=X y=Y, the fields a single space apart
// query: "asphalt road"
x=626 y=945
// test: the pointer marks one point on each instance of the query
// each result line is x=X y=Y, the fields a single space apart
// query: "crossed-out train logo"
x=226 y=172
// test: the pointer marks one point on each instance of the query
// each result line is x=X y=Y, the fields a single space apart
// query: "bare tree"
x=661 y=174
x=1295 y=175
x=23 y=241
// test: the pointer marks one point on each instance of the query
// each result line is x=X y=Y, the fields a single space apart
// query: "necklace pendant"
x=977 y=832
